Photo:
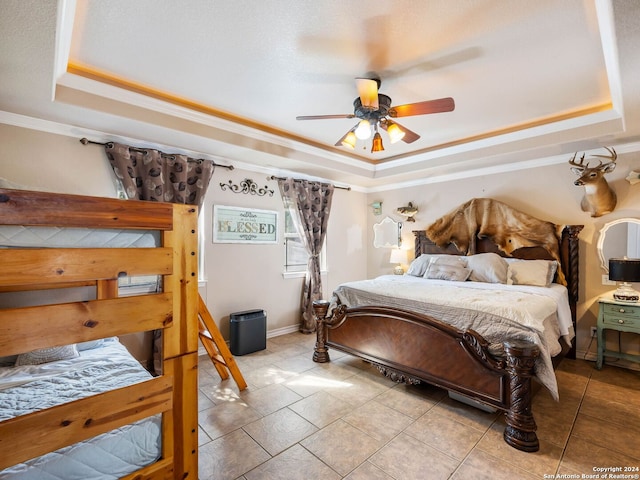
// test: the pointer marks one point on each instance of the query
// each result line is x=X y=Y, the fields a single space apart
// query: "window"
x=296 y=256
x=147 y=283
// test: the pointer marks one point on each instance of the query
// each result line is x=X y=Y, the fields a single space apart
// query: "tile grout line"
x=573 y=423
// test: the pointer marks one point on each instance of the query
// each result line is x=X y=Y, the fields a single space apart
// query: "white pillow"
x=487 y=267
x=531 y=272
x=447 y=267
x=90 y=344
x=46 y=355
x=418 y=266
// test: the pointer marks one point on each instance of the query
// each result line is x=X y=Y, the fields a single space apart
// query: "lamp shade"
x=376 y=145
x=394 y=132
x=349 y=140
x=398 y=255
x=624 y=269
x=363 y=131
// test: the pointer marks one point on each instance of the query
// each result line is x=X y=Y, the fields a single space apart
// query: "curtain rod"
x=86 y=141
x=273 y=177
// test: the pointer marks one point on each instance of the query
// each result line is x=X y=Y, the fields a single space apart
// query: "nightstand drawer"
x=621 y=320
x=622 y=311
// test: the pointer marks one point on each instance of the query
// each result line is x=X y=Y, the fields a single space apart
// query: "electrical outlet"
x=594 y=331
x=606 y=281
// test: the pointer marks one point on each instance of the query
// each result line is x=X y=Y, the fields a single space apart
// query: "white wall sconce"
x=377 y=208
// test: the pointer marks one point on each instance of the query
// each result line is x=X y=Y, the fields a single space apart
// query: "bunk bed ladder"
x=216 y=347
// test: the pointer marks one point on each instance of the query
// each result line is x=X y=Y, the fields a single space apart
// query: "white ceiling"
x=532 y=81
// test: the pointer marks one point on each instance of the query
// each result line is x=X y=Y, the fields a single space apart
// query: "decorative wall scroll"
x=247 y=186
x=244 y=225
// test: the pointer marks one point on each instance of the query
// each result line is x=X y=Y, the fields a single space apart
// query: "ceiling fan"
x=375 y=111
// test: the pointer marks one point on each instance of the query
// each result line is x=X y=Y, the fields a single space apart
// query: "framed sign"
x=244 y=225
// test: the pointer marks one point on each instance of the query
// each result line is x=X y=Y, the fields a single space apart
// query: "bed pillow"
x=447 y=267
x=46 y=355
x=90 y=345
x=418 y=266
x=539 y=273
x=487 y=267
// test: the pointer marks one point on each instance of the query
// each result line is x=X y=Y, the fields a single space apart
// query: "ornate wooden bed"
x=413 y=348
x=173 y=394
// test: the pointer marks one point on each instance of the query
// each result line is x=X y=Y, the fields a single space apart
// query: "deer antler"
x=613 y=156
x=579 y=165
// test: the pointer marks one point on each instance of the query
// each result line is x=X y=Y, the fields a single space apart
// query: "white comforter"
x=496 y=311
x=107 y=456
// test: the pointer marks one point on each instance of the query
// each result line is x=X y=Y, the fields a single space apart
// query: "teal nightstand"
x=619 y=316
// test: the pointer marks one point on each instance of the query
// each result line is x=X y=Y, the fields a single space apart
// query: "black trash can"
x=247 y=331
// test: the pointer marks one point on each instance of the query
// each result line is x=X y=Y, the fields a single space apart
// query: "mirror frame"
x=379 y=236
x=604 y=262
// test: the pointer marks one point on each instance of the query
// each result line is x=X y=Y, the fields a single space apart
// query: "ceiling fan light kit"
x=374 y=110
x=349 y=140
x=394 y=132
x=376 y=145
x=363 y=132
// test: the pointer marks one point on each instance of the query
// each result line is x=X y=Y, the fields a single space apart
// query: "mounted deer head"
x=599 y=199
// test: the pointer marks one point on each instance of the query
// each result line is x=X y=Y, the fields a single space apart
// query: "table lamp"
x=399 y=256
x=625 y=270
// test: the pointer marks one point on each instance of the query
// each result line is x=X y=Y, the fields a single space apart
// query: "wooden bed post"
x=320 y=352
x=180 y=344
x=521 y=428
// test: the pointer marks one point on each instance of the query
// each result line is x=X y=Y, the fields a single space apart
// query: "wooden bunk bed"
x=412 y=347
x=173 y=394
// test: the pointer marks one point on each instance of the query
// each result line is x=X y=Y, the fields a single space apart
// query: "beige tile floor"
x=302 y=420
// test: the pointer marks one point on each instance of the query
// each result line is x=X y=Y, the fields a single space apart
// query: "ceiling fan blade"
x=368 y=92
x=409 y=136
x=430 y=63
x=324 y=117
x=422 y=108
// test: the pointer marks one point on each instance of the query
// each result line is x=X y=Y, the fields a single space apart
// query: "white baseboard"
x=270 y=334
x=589 y=356
x=283 y=331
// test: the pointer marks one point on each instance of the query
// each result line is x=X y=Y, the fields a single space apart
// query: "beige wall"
x=547 y=193
x=53 y=162
x=245 y=276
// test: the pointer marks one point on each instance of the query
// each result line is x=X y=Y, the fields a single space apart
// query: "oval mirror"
x=619 y=238
x=387 y=233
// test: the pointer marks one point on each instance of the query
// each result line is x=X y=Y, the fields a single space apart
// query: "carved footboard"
x=412 y=348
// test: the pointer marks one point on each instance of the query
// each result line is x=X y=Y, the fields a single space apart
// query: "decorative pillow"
x=46 y=355
x=531 y=272
x=447 y=267
x=487 y=267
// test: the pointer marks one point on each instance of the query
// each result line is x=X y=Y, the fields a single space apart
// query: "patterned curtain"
x=148 y=174
x=309 y=204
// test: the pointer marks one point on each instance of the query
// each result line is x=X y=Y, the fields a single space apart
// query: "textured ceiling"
x=529 y=79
